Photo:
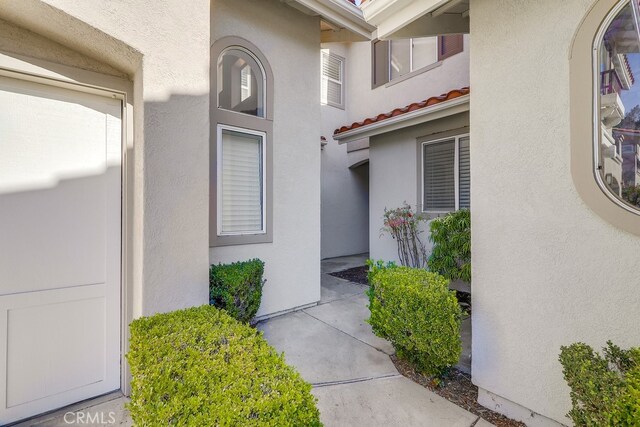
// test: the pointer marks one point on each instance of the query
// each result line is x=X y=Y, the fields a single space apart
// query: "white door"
x=60 y=198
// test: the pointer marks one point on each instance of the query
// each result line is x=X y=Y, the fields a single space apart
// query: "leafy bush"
x=201 y=367
x=237 y=288
x=605 y=391
x=416 y=311
x=374 y=268
x=403 y=224
x=451 y=253
x=632 y=194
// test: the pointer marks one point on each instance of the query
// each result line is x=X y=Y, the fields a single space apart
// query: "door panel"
x=60 y=233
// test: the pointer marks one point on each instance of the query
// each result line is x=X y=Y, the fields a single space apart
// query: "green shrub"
x=451 y=253
x=374 y=268
x=200 y=367
x=605 y=391
x=415 y=310
x=631 y=194
x=237 y=288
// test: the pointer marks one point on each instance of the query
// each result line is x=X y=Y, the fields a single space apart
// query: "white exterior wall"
x=345 y=192
x=393 y=163
x=290 y=41
x=547 y=271
x=169 y=159
x=346 y=215
x=164 y=48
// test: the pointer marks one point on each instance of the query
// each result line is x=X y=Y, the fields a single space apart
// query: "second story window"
x=393 y=59
x=332 y=91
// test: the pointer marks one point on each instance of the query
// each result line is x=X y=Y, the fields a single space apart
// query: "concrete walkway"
x=352 y=375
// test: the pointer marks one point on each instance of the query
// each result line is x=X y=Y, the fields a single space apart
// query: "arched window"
x=616 y=146
x=240 y=83
x=605 y=111
x=241 y=144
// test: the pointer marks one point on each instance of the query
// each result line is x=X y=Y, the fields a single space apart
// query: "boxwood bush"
x=200 y=367
x=605 y=390
x=415 y=310
x=237 y=288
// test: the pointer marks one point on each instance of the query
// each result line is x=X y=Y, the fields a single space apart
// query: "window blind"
x=464 y=174
x=332 y=80
x=241 y=183
x=439 y=176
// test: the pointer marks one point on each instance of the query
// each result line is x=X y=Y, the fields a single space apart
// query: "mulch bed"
x=458 y=389
x=356 y=274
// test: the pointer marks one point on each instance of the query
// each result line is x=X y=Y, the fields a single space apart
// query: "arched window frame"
x=585 y=119
x=221 y=118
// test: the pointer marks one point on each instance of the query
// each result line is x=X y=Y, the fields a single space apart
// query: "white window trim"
x=263 y=135
x=456 y=171
x=341 y=60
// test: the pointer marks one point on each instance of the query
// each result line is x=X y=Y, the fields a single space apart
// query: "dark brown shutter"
x=450 y=45
x=380 y=63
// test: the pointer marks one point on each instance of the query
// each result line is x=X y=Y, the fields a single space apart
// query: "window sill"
x=413 y=74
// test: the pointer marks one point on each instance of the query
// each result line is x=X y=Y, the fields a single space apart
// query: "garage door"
x=60 y=198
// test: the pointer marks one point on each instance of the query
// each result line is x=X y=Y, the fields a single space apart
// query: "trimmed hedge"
x=201 y=367
x=451 y=253
x=605 y=391
x=415 y=310
x=237 y=288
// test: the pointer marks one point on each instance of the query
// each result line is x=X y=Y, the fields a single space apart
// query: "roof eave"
x=422 y=115
x=339 y=12
x=389 y=16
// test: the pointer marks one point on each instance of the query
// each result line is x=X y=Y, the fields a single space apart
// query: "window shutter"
x=464 y=172
x=439 y=176
x=380 y=63
x=450 y=45
x=332 y=80
x=242 y=191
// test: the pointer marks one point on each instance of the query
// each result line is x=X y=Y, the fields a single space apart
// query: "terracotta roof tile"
x=404 y=110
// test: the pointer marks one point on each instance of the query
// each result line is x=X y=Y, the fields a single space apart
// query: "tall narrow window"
x=241 y=181
x=446 y=181
x=332 y=92
x=617 y=54
x=241 y=154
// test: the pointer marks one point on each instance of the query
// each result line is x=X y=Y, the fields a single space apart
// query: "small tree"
x=403 y=225
x=451 y=237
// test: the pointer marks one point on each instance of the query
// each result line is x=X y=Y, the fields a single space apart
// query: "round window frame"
x=585 y=119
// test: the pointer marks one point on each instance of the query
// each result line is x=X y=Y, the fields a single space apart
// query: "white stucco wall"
x=164 y=48
x=547 y=271
x=290 y=41
x=346 y=226
x=393 y=167
x=345 y=192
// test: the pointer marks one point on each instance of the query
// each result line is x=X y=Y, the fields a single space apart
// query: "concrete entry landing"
x=349 y=367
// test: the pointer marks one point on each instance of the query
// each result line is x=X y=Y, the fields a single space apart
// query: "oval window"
x=240 y=83
x=617 y=146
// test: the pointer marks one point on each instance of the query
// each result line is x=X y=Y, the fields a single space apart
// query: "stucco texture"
x=290 y=41
x=547 y=271
x=345 y=192
x=169 y=170
x=351 y=215
x=393 y=166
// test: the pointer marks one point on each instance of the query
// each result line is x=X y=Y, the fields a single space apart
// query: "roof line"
x=452 y=94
